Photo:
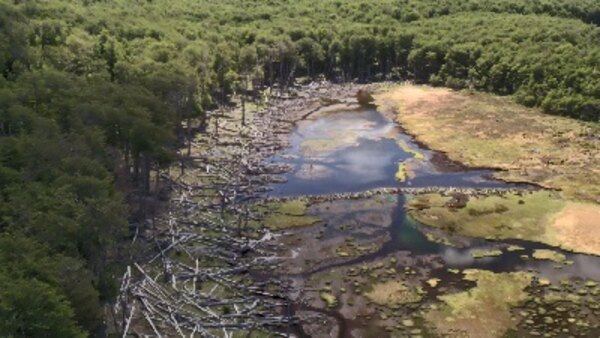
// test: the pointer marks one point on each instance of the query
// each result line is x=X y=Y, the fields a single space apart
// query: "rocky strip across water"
x=445 y=191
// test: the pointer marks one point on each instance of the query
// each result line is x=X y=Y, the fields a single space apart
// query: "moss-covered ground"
x=529 y=216
x=484 y=310
x=551 y=255
x=283 y=215
x=393 y=292
x=499 y=217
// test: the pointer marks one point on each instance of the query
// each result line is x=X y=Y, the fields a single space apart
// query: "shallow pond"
x=356 y=150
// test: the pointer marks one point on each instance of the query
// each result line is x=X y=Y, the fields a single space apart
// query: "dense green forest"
x=97 y=95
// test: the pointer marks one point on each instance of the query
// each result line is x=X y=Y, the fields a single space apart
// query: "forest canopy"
x=95 y=96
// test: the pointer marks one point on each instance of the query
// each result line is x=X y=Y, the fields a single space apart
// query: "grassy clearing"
x=392 y=293
x=293 y=208
x=283 y=215
x=535 y=216
x=320 y=146
x=483 y=311
x=550 y=255
x=577 y=227
x=279 y=222
x=487 y=131
x=494 y=217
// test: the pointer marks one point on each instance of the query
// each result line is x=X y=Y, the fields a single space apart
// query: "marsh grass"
x=393 y=293
x=484 y=310
x=483 y=130
x=497 y=217
x=551 y=255
x=283 y=215
x=485 y=253
x=401 y=173
x=539 y=216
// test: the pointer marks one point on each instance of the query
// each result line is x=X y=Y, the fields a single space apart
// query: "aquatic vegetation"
x=410 y=150
x=551 y=255
x=485 y=253
x=408 y=322
x=436 y=239
x=513 y=248
x=401 y=173
x=393 y=292
x=406 y=169
x=329 y=299
x=293 y=208
x=433 y=282
x=568 y=309
x=282 y=215
x=555 y=297
x=483 y=311
x=351 y=249
x=543 y=282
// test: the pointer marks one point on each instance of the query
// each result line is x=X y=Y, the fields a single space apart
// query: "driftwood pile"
x=197 y=279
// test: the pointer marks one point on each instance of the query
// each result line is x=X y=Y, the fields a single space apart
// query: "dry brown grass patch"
x=392 y=293
x=487 y=131
x=578 y=226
